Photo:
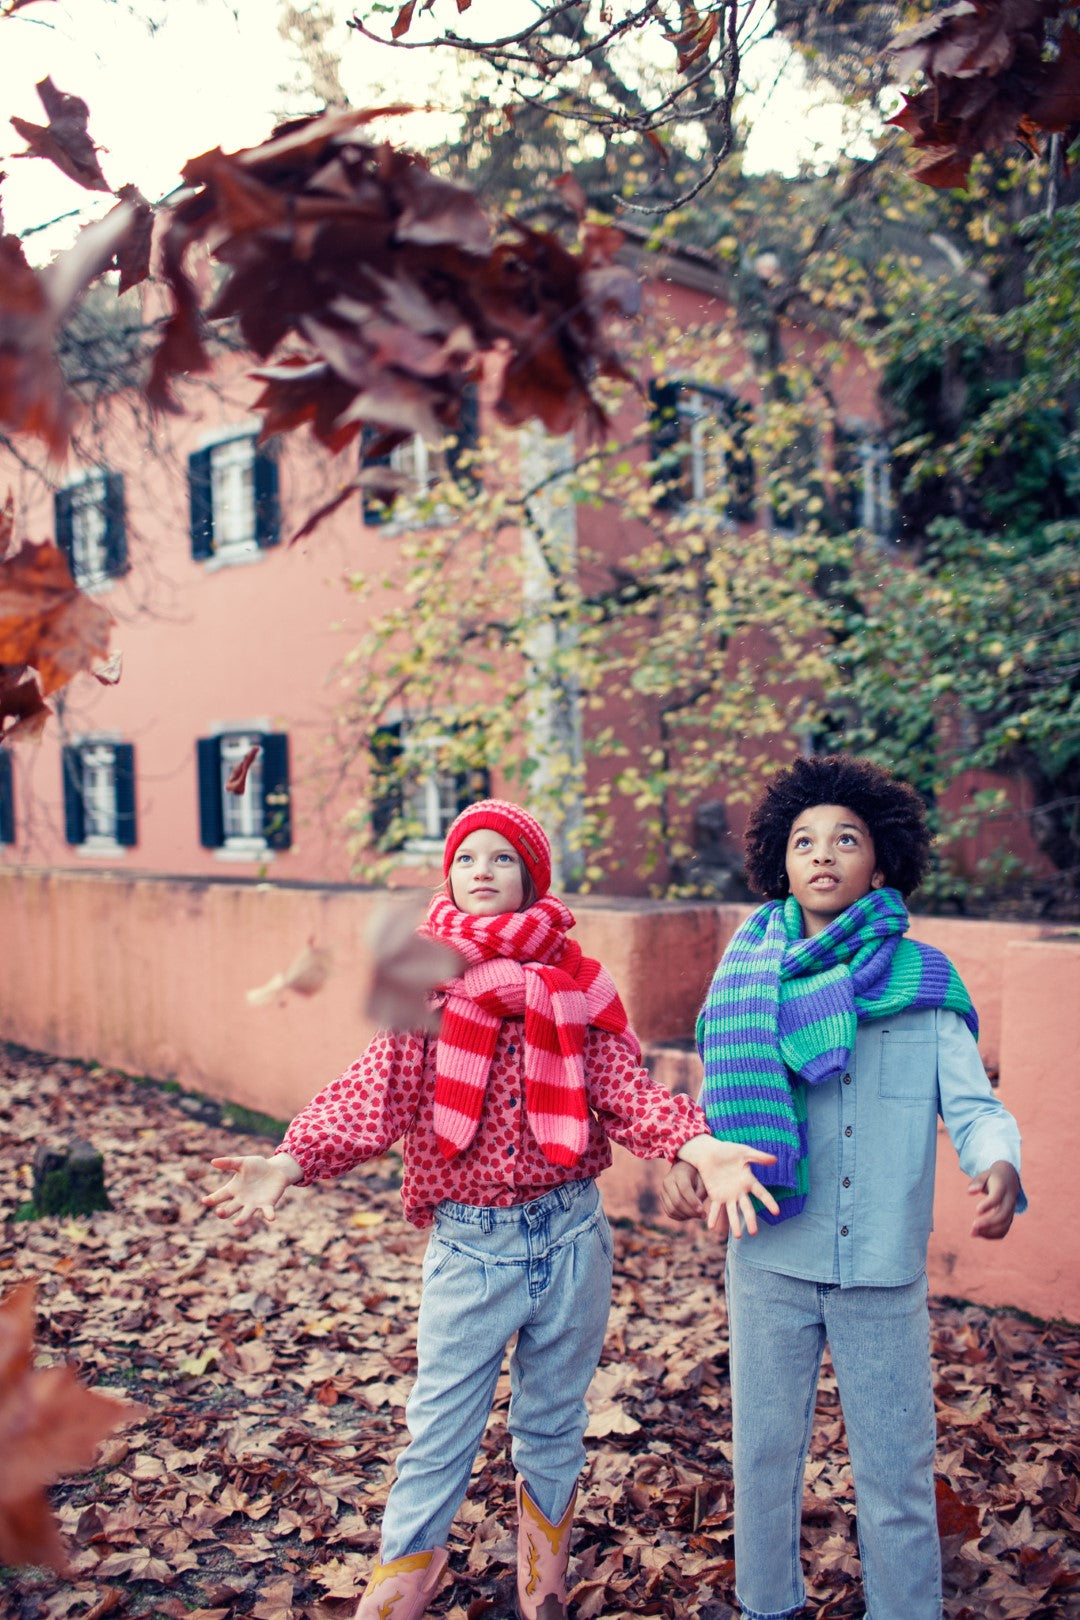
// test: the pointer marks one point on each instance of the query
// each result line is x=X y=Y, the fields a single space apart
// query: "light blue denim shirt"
x=873 y=1149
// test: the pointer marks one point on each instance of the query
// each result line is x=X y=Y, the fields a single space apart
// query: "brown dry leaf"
x=390 y=289
x=275 y=1600
x=406 y=968
x=341 y=1578
x=236 y=782
x=45 y=620
x=65 y=140
x=991 y=81
x=34 y=397
x=7 y=525
x=23 y=713
x=306 y=975
x=50 y=1424
x=323 y=1303
x=955 y=1516
x=108 y=670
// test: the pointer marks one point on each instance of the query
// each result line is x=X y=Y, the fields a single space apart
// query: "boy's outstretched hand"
x=255 y=1187
x=997 y=1190
x=730 y=1185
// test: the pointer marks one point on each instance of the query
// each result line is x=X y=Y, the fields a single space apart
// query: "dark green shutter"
x=74 y=819
x=386 y=794
x=373 y=510
x=277 y=799
x=124 y=780
x=201 y=504
x=63 y=508
x=7 y=798
x=211 y=815
x=665 y=434
x=466 y=439
x=116 y=552
x=267 y=501
x=741 y=506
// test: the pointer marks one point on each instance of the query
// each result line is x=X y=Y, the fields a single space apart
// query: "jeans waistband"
x=487 y=1216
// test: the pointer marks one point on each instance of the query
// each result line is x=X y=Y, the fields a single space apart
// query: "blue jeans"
x=879 y=1339
x=543 y=1271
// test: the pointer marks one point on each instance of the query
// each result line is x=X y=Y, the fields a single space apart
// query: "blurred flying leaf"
x=50 y=1425
x=306 y=975
x=407 y=967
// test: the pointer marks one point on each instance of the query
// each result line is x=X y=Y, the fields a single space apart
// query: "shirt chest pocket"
x=907 y=1070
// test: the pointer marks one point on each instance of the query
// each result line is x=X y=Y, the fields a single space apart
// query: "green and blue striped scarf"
x=782 y=1012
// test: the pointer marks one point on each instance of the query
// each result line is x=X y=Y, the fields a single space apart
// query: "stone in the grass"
x=69 y=1181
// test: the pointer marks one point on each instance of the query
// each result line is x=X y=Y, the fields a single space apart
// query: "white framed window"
x=99 y=792
x=232 y=494
x=242 y=813
x=90 y=525
x=99 y=795
x=430 y=792
x=248 y=824
x=234 y=501
x=420 y=466
x=417 y=793
x=699 y=448
x=705 y=472
x=877 y=513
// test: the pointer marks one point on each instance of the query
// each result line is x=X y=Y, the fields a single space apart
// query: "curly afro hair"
x=893 y=813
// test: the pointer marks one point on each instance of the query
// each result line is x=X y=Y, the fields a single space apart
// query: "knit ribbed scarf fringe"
x=782 y=1013
x=521 y=964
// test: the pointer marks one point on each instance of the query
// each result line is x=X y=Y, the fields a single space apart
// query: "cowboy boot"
x=543 y=1553
x=402 y=1589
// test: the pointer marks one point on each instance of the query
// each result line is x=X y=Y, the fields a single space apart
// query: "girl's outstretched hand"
x=730 y=1184
x=255 y=1187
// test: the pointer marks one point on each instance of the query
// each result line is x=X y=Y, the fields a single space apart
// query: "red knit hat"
x=522 y=833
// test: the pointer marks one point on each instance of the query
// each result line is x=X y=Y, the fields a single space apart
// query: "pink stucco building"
x=233 y=638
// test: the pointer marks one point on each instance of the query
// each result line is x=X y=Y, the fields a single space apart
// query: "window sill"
x=244 y=849
x=96 y=584
x=406 y=519
x=248 y=551
x=97 y=849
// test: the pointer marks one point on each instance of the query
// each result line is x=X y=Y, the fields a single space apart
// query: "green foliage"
x=699 y=650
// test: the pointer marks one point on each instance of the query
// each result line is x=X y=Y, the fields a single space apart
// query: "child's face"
x=486 y=876
x=830 y=863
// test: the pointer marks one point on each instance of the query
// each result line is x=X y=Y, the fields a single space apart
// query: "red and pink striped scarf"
x=520 y=964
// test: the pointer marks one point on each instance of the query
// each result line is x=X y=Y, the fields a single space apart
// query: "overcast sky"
x=216 y=72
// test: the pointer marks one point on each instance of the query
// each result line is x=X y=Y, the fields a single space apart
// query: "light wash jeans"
x=543 y=1271
x=879 y=1339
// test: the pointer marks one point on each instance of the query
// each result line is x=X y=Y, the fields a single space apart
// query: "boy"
x=834 y=1042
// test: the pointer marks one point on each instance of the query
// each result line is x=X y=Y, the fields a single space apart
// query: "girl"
x=834 y=1041
x=506 y=1120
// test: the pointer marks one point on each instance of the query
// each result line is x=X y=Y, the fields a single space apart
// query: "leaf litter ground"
x=274 y=1369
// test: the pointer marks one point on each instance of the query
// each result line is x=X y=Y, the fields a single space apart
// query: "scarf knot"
x=783 y=1011
x=520 y=965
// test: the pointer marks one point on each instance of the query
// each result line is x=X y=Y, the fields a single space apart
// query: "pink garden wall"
x=151 y=974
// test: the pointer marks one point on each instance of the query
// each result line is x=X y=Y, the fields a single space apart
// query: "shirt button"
x=847 y=1181
x=510 y=1050
x=847 y=1130
x=510 y=1151
x=843 y=1231
x=513 y=1102
x=847 y=1079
